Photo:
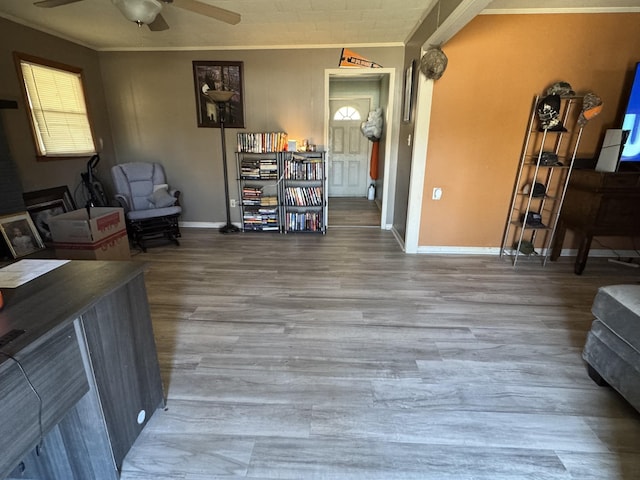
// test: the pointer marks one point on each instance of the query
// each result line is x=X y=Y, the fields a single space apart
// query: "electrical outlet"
x=437 y=193
x=232 y=203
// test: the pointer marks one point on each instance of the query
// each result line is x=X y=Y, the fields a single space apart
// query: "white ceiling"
x=265 y=24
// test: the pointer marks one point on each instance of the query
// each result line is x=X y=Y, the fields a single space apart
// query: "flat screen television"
x=631 y=123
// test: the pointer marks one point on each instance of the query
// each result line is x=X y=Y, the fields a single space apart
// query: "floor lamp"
x=221 y=99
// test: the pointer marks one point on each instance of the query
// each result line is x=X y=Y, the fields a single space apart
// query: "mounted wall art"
x=227 y=76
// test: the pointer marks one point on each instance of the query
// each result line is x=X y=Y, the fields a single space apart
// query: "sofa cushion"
x=615 y=361
x=618 y=307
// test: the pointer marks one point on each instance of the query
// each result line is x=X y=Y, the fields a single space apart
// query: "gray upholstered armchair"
x=151 y=207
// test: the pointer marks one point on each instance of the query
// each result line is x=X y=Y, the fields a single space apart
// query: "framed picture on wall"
x=47 y=203
x=408 y=92
x=211 y=75
x=20 y=234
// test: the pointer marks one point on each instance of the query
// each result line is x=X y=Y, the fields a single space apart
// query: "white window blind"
x=58 y=110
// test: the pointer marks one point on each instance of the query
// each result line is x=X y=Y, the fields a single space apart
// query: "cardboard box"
x=101 y=237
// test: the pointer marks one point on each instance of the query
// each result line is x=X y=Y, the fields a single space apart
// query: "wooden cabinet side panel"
x=147 y=359
x=124 y=362
x=618 y=214
x=580 y=208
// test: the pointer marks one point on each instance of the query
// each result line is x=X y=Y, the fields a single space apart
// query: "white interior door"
x=349 y=160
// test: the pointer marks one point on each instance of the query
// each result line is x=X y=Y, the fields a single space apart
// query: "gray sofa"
x=612 y=350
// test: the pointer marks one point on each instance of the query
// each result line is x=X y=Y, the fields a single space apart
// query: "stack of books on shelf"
x=304 y=221
x=250 y=169
x=251 y=195
x=303 y=168
x=263 y=219
x=262 y=142
x=303 y=196
x=269 y=201
x=269 y=169
x=259 y=169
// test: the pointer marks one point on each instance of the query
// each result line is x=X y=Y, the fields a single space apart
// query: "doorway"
x=352 y=94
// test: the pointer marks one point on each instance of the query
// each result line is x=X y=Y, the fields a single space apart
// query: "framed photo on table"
x=47 y=203
x=210 y=75
x=20 y=234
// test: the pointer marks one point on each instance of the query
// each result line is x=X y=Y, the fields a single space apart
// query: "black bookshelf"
x=283 y=191
x=304 y=192
x=258 y=179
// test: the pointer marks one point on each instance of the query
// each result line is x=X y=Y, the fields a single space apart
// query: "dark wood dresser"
x=598 y=204
x=83 y=337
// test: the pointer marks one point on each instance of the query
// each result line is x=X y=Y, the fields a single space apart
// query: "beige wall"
x=151 y=103
x=37 y=175
x=497 y=64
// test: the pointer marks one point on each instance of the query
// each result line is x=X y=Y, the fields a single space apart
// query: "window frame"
x=20 y=57
x=346 y=118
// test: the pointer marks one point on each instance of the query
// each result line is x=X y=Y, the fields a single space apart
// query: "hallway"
x=353 y=212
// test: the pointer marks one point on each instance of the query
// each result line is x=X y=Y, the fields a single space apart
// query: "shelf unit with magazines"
x=258 y=183
x=303 y=192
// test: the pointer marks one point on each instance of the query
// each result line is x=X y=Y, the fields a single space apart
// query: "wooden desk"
x=89 y=351
x=598 y=204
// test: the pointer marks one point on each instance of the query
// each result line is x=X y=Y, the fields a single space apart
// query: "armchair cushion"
x=161 y=198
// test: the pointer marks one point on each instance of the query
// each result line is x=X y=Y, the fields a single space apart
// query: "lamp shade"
x=219 y=95
x=139 y=11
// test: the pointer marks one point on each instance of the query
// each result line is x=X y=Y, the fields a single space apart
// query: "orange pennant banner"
x=352 y=59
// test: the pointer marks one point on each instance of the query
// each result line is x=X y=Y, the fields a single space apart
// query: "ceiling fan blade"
x=159 y=24
x=53 y=3
x=217 y=13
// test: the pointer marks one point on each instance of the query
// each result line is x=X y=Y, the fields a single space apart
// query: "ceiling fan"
x=147 y=12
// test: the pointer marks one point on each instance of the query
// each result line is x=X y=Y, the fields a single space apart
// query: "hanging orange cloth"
x=373 y=167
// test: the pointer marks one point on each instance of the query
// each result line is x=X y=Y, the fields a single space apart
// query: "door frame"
x=390 y=130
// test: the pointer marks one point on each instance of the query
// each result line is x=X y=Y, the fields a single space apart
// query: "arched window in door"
x=347 y=113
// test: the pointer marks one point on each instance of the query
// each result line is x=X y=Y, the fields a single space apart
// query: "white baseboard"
x=205 y=224
x=459 y=250
x=398 y=238
x=567 y=252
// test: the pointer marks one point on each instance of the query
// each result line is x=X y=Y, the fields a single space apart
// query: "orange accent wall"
x=481 y=105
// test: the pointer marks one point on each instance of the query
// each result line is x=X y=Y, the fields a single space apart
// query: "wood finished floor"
x=340 y=357
x=353 y=212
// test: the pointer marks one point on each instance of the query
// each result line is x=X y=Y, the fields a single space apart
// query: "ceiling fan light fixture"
x=139 y=11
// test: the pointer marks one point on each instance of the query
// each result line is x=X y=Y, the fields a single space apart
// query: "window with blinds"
x=55 y=97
